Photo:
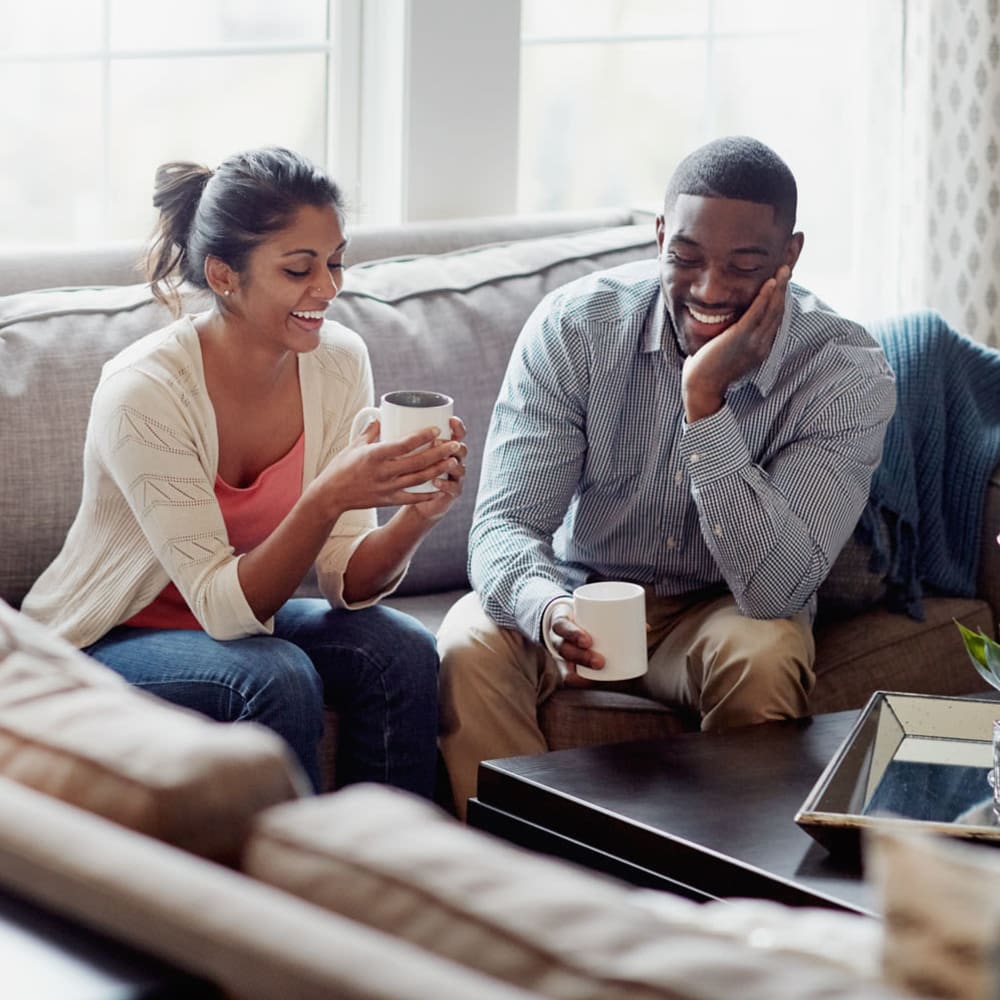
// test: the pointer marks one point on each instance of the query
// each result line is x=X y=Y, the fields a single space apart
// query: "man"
x=695 y=424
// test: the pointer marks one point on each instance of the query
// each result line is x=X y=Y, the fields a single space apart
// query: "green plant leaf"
x=984 y=653
x=992 y=650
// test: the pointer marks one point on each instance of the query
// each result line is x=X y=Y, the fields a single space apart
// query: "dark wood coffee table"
x=706 y=815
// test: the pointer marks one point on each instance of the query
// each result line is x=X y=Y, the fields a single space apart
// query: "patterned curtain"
x=950 y=252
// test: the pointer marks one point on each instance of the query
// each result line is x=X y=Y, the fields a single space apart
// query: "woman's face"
x=291 y=279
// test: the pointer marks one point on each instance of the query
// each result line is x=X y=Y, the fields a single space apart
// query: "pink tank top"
x=251 y=515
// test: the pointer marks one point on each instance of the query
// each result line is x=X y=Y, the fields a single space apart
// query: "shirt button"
x=678 y=477
x=695 y=457
x=717 y=531
x=671 y=542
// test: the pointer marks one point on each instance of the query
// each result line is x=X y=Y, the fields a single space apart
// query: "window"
x=444 y=108
x=108 y=89
x=615 y=94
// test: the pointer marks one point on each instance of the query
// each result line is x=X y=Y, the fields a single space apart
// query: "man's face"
x=715 y=253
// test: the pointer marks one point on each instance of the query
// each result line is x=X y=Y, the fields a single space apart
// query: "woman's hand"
x=436 y=505
x=368 y=473
x=383 y=554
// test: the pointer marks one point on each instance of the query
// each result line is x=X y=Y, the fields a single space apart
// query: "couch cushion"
x=75 y=730
x=444 y=322
x=582 y=717
x=448 y=322
x=883 y=650
x=52 y=347
x=397 y=864
x=853 y=585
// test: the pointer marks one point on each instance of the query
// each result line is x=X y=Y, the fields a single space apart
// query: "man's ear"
x=660 y=233
x=221 y=278
x=792 y=249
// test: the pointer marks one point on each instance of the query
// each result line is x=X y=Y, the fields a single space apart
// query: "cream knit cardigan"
x=148 y=513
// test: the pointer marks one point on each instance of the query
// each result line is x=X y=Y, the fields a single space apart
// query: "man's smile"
x=710 y=318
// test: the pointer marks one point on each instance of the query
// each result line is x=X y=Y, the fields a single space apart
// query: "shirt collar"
x=659 y=335
x=659 y=331
x=766 y=374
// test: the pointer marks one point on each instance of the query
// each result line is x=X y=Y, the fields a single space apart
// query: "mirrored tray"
x=911 y=759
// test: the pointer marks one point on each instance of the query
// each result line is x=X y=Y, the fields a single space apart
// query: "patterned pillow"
x=75 y=730
x=853 y=585
x=385 y=859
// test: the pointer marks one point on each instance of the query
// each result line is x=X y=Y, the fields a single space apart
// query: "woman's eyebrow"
x=312 y=253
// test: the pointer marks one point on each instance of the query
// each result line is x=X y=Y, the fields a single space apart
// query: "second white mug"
x=614 y=613
x=404 y=412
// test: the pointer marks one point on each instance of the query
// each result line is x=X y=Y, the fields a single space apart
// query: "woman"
x=218 y=468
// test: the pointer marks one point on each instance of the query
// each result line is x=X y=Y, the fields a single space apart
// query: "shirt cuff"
x=533 y=600
x=714 y=447
x=548 y=636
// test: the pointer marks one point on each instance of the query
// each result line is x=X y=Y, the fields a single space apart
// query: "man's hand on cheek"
x=739 y=349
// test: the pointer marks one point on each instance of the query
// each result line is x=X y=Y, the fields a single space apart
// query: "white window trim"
x=433 y=133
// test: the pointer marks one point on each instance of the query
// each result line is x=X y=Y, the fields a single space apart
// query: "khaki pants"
x=703 y=654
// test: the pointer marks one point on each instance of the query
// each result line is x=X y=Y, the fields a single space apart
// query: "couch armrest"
x=256 y=942
x=988 y=584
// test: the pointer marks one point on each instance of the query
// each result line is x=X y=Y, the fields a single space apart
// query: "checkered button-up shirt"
x=591 y=469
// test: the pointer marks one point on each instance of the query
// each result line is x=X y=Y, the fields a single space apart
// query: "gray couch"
x=439 y=306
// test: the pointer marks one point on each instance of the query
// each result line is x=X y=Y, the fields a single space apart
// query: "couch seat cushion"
x=880 y=650
x=75 y=730
x=398 y=864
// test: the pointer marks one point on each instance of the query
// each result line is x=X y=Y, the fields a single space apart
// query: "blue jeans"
x=376 y=667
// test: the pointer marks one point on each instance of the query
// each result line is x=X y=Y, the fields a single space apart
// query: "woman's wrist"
x=318 y=508
x=414 y=521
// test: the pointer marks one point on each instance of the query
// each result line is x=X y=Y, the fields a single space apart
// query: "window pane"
x=751 y=80
x=50 y=155
x=556 y=18
x=753 y=97
x=193 y=24
x=49 y=25
x=206 y=109
x=784 y=15
x=594 y=131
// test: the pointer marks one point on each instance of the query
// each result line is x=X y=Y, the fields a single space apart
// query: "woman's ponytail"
x=176 y=193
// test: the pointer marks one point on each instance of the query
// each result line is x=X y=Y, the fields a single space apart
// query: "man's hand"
x=740 y=348
x=574 y=647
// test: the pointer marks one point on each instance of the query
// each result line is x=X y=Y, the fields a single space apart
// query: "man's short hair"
x=736 y=167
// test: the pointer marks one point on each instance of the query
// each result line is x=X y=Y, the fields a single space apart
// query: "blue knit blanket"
x=940 y=448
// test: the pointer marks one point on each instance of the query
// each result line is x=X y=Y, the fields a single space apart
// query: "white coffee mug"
x=405 y=412
x=614 y=613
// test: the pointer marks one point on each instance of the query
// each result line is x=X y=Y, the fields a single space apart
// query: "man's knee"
x=469 y=642
x=768 y=646
x=760 y=671
x=482 y=663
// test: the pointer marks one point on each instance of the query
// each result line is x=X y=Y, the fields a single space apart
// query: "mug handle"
x=547 y=637
x=363 y=418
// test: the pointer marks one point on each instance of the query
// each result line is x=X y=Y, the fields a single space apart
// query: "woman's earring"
x=228 y=291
